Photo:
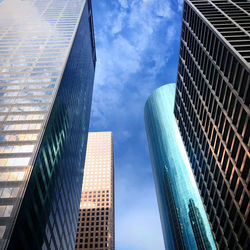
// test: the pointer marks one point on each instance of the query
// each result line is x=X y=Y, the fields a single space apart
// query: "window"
x=227 y=230
x=231 y=105
x=236 y=113
x=234 y=180
x=244 y=203
x=226 y=98
x=229 y=170
x=242 y=121
x=223 y=219
x=231 y=242
x=228 y=201
x=225 y=161
x=230 y=138
x=244 y=83
x=237 y=224
x=224 y=191
x=232 y=212
x=243 y=236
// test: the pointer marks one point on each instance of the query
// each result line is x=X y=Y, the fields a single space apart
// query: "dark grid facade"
x=212 y=110
x=48 y=54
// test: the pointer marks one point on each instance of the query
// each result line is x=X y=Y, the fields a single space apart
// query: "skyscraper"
x=96 y=213
x=47 y=60
x=183 y=217
x=212 y=109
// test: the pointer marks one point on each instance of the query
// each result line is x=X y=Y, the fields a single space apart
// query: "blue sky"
x=137 y=45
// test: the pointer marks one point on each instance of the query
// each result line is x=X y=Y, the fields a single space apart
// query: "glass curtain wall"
x=184 y=221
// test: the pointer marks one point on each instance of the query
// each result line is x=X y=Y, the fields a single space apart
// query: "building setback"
x=96 y=213
x=47 y=64
x=183 y=217
x=212 y=110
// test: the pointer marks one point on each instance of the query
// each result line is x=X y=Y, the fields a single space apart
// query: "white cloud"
x=163 y=9
x=119 y=22
x=180 y=4
x=117 y=60
x=123 y=3
x=171 y=33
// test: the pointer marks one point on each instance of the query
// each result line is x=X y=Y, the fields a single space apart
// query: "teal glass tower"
x=183 y=218
x=47 y=65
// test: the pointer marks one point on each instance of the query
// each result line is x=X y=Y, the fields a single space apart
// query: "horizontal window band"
x=4 y=184
x=14 y=155
x=14 y=132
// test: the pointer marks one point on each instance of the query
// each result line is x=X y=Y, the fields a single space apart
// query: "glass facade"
x=183 y=217
x=47 y=61
x=212 y=109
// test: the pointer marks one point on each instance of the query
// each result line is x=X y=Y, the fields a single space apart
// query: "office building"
x=183 y=217
x=212 y=110
x=96 y=213
x=47 y=64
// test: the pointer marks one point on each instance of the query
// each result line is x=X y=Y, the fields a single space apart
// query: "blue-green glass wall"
x=184 y=221
x=48 y=215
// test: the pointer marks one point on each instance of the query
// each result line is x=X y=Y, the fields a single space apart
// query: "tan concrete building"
x=96 y=214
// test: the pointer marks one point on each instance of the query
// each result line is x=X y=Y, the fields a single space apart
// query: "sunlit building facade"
x=96 y=214
x=212 y=110
x=183 y=217
x=47 y=63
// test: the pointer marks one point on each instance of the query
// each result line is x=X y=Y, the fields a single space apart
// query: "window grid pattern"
x=96 y=214
x=34 y=48
x=231 y=20
x=212 y=110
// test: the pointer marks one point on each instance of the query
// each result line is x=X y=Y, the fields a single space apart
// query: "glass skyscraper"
x=47 y=64
x=183 y=217
x=212 y=109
